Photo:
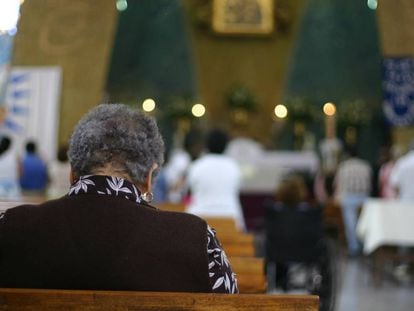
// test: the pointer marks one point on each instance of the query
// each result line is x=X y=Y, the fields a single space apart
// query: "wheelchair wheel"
x=324 y=281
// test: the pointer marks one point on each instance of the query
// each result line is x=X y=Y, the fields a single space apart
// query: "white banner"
x=32 y=108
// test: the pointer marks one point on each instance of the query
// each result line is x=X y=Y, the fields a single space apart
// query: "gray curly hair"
x=116 y=135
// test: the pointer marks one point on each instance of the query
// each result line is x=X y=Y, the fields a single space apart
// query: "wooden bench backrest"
x=239 y=250
x=247 y=265
x=222 y=224
x=236 y=237
x=86 y=300
x=237 y=244
x=250 y=274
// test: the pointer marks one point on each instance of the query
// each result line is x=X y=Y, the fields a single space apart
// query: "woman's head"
x=292 y=190
x=118 y=138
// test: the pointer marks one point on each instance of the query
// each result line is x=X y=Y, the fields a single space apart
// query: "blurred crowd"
x=28 y=174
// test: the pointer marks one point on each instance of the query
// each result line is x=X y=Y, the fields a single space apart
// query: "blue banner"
x=398 y=88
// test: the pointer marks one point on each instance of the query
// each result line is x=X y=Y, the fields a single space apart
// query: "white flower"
x=116 y=184
x=218 y=283
x=224 y=260
x=81 y=184
x=227 y=282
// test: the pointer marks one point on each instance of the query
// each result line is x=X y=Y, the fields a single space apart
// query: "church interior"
x=297 y=85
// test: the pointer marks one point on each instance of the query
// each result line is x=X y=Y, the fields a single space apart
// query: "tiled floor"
x=357 y=292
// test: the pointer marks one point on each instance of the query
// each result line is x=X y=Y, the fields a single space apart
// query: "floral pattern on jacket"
x=222 y=278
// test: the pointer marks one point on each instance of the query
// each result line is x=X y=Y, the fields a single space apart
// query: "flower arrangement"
x=301 y=110
x=241 y=98
x=179 y=108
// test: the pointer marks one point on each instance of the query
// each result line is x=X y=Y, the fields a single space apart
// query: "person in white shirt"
x=214 y=182
x=352 y=185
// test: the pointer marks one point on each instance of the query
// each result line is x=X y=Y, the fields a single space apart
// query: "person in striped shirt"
x=353 y=182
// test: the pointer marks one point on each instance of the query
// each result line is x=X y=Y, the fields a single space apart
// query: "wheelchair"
x=296 y=245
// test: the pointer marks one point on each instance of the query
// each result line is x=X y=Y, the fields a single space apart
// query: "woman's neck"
x=109 y=170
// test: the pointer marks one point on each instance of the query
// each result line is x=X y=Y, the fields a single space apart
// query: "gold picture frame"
x=238 y=17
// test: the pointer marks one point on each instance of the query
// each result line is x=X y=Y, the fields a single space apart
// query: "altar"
x=263 y=173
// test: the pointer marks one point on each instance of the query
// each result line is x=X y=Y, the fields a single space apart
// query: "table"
x=386 y=223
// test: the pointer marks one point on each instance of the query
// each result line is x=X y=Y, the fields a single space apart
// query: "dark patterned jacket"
x=95 y=241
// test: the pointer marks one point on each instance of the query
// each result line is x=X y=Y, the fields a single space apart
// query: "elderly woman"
x=103 y=234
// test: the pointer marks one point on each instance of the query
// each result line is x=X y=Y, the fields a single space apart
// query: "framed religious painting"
x=243 y=17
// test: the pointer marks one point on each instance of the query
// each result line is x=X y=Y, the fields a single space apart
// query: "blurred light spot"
x=372 y=4
x=281 y=111
x=121 y=5
x=329 y=109
x=148 y=105
x=198 y=110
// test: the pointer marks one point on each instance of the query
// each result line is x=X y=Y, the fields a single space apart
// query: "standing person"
x=386 y=189
x=9 y=170
x=103 y=234
x=34 y=177
x=402 y=176
x=331 y=151
x=214 y=181
x=175 y=170
x=352 y=187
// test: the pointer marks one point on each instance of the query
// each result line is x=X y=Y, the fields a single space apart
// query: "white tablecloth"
x=386 y=222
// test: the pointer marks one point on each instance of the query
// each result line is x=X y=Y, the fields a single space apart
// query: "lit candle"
x=329 y=109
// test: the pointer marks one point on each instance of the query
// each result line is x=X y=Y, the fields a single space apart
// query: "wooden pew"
x=88 y=300
x=237 y=243
x=239 y=250
x=234 y=242
x=237 y=237
x=223 y=225
x=250 y=274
